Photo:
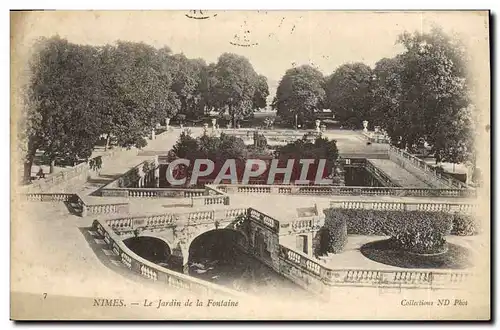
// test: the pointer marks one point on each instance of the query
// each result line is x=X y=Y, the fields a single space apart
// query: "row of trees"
x=422 y=94
x=77 y=93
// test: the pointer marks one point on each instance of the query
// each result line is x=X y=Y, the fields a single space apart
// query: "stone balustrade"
x=363 y=277
x=408 y=161
x=49 y=197
x=92 y=209
x=384 y=177
x=345 y=191
x=210 y=200
x=406 y=206
x=156 y=273
x=265 y=219
x=80 y=171
x=301 y=225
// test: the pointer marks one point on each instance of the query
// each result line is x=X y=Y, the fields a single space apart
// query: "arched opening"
x=218 y=255
x=155 y=250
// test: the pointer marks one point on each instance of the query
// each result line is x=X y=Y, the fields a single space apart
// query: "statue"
x=214 y=123
x=365 y=126
x=167 y=123
x=205 y=129
x=318 y=122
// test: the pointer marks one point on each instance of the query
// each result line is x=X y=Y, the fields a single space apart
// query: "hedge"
x=465 y=225
x=332 y=236
x=415 y=231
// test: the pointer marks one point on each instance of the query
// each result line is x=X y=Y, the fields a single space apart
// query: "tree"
x=387 y=95
x=187 y=82
x=59 y=97
x=426 y=92
x=320 y=148
x=217 y=149
x=233 y=86
x=348 y=92
x=300 y=93
x=261 y=93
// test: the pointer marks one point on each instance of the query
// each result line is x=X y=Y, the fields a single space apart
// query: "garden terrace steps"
x=398 y=174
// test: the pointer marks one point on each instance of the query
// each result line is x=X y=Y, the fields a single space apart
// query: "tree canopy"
x=300 y=93
x=78 y=93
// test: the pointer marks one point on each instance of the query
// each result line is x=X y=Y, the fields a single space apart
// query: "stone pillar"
x=167 y=123
x=84 y=210
x=153 y=134
x=365 y=126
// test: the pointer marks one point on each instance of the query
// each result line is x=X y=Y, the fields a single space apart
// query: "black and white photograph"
x=250 y=165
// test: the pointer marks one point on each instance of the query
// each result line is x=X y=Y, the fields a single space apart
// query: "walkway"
x=399 y=175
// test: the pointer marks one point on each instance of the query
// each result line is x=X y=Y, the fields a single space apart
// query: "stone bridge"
x=257 y=233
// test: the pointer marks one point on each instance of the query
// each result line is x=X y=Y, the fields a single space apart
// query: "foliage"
x=465 y=225
x=333 y=236
x=261 y=93
x=424 y=93
x=348 y=92
x=421 y=242
x=389 y=223
x=300 y=93
x=233 y=86
x=217 y=149
x=317 y=149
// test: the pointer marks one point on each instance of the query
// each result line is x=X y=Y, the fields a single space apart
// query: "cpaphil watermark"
x=183 y=171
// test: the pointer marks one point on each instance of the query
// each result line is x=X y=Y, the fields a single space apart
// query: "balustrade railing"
x=210 y=200
x=345 y=190
x=406 y=158
x=381 y=174
x=49 y=197
x=151 y=271
x=388 y=278
x=265 y=219
x=406 y=206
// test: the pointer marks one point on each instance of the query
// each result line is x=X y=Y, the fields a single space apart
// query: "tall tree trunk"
x=27 y=170
x=28 y=161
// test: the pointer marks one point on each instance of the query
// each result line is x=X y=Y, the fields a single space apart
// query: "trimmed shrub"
x=390 y=223
x=333 y=235
x=465 y=225
x=414 y=231
x=422 y=242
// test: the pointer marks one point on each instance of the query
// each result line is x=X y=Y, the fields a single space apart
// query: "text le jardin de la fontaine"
x=159 y=303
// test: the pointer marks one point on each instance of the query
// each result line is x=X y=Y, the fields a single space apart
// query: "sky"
x=280 y=39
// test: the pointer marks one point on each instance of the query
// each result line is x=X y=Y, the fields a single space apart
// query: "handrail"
x=291 y=189
x=417 y=162
x=380 y=277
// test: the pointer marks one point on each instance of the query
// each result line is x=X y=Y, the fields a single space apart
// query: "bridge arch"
x=157 y=250
x=216 y=244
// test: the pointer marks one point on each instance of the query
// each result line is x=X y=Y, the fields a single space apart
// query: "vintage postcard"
x=250 y=165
